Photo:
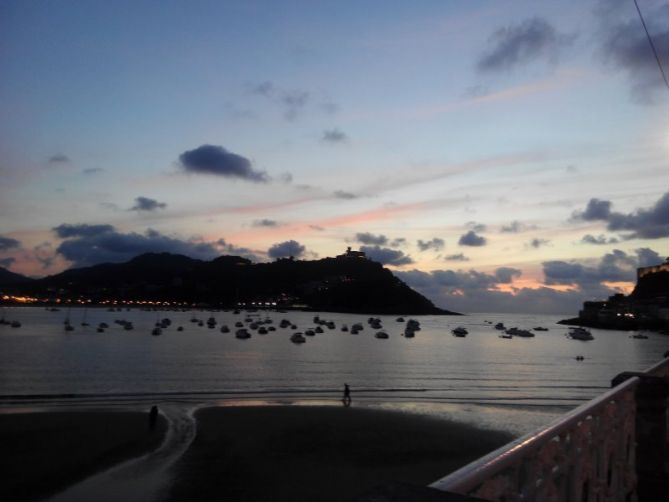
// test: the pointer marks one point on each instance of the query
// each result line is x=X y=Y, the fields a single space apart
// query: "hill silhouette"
x=8 y=278
x=330 y=284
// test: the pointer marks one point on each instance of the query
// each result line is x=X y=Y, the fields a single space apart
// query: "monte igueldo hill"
x=647 y=307
x=347 y=283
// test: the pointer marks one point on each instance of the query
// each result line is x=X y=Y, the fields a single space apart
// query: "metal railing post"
x=652 y=450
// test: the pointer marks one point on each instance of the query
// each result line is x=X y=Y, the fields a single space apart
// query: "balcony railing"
x=604 y=450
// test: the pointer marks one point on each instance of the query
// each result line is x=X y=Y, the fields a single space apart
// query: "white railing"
x=588 y=454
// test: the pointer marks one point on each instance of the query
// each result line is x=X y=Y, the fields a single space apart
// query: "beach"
x=323 y=453
x=44 y=452
x=243 y=453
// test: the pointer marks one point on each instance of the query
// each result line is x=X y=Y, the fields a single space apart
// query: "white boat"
x=578 y=333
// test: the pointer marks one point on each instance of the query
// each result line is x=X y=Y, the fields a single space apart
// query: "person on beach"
x=347 y=396
x=153 y=417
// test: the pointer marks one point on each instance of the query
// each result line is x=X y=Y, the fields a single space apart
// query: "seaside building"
x=646 y=306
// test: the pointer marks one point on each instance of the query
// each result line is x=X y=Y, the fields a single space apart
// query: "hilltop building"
x=643 y=271
x=352 y=254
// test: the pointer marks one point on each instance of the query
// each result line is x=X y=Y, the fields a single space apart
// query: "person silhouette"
x=347 y=396
x=153 y=417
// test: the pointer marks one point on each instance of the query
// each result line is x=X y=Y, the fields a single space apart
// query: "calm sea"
x=515 y=384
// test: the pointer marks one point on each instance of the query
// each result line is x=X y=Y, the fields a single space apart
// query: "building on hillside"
x=640 y=272
x=352 y=254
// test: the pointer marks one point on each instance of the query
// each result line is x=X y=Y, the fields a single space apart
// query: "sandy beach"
x=247 y=453
x=44 y=452
x=322 y=453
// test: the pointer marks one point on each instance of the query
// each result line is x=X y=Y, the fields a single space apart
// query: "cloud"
x=285 y=249
x=599 y=240
x=334 y=136
x=66 y=230
x=517 y=45
x=7 y=243
x=341 y=194
x=624 y=45
x=316 y=227
x=7 y=262
x=292 y=101
x=616 y=266
x=371 y=239
x=652 y=223
x=87 y=245
x=536 y=243
x=398 y=242
x=231 y=249
x=44 y=254
x=648 y=257
x=59 y=158
x=596 y=210
x=516 y=227
x=92 y=170
x=265 y=223
x=213 y=159
x=505 y=275
x=476 y=227
x=285 y=178
x=474 y=291
x=386 y=256
x=146 y=204
x=471 y=239
x=456 y=257
x=436 y=243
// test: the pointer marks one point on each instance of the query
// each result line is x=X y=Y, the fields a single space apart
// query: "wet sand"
x=322 y=453
x=42 y=453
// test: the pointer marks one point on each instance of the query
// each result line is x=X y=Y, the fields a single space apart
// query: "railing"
x=588 y=454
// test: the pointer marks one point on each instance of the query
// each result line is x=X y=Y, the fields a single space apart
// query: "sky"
x=496 y=156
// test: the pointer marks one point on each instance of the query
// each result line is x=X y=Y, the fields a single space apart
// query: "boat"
x=225 y=329
x=578 y=333
x=297 y=338
x=381 y=334
x=310 y=332
x=639 y=336
x=500 y=326
x=242 y=334
x=506 y=336
x=157 y=331
x=344 y=327
x=523 y=333
x=262 y=330
x=459 y=332
x=539 y=328
x=400 y=319
x=15 y=324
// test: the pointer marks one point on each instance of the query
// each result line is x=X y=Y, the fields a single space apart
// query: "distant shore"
x=324 y=453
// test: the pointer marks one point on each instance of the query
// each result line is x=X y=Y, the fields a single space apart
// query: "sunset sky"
x=497 y=156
